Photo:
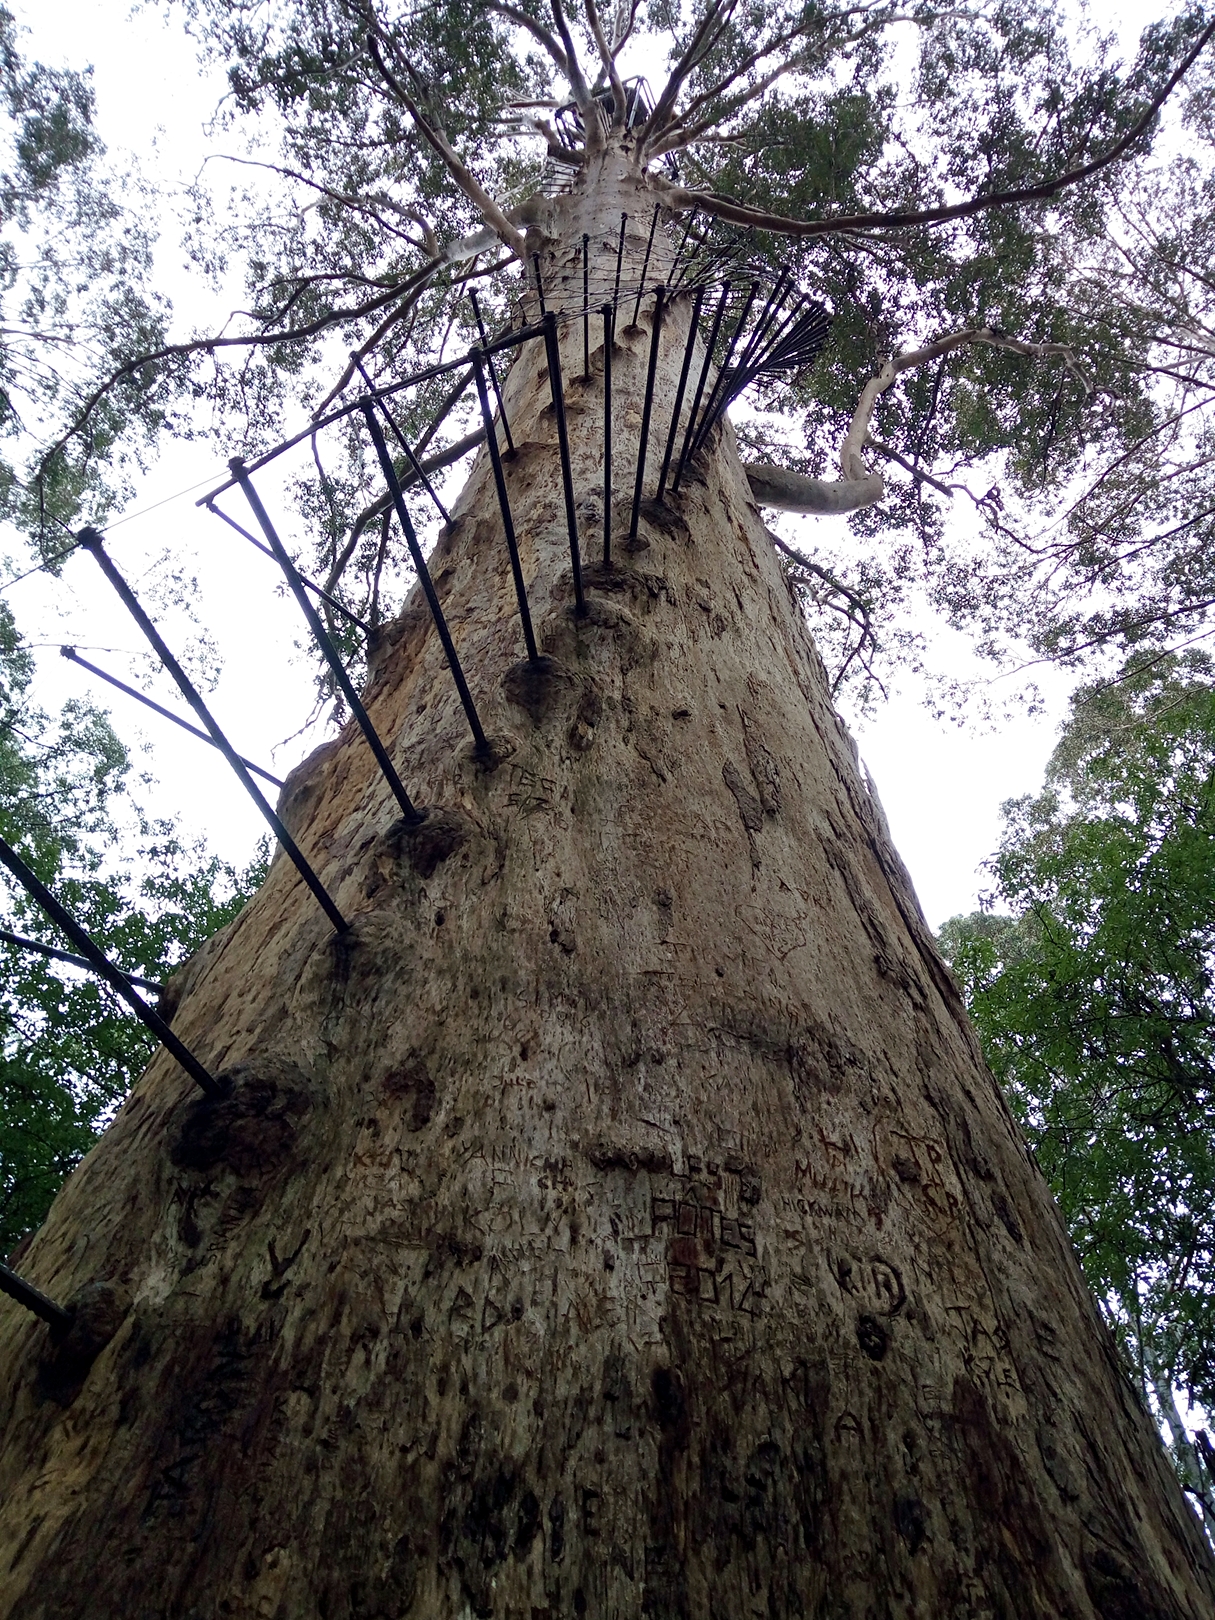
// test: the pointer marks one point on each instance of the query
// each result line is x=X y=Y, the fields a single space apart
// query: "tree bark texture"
x=618 y=1221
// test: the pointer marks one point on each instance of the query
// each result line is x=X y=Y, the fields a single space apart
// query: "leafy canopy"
x=75 y=301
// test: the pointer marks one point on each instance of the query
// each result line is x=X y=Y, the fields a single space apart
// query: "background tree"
x=75 y=304
x=69 y=1051
x=1093 y=992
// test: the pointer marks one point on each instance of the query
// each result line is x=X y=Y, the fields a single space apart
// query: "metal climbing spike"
x=100 y=963
x=508 y=522
x=92 y=540
x=149 y=703
x=552 y=344
x=424 y=579
x=646 y=411
x=410 y=811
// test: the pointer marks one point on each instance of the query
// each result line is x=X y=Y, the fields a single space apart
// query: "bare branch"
x=578 y=84
x=536 y=29
x=622 y=30
x=918 y=473
x=619 y=112
x=363 y=205
x=851 y=461
x=737 y=213
x=685 y=65
x=787 y=491
x=855 y=609
x=360 y=354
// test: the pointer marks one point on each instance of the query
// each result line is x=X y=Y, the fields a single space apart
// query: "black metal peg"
x=539 y=283
x=645 y=263
x=149 y=703
x=700 y=384
x=715 y=404
x=410 y=457
x=419 y=562
x=37 y=948
x=118 y=981
x=33 y=1299
x=508 y=523
x=552 y=345
x=646 y=411
x=586 y=305
x=309 y=584
x=493 y=372
x=609 y=317
x=624 y=220
x=330 y=653
x=689 y=348
x=92 y=540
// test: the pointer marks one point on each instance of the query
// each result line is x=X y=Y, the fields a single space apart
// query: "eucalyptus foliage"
x=1093 y=991
x=69 y=1050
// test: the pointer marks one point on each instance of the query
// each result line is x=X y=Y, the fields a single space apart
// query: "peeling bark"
x=620 y=1220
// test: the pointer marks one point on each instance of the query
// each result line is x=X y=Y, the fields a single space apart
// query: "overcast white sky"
x=941 y=786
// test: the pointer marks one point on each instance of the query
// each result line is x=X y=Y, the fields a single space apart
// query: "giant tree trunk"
x=620 y=1220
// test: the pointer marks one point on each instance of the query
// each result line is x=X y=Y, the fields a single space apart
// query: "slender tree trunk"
x=620 y=1220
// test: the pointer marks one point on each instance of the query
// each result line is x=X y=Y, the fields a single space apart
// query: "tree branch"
x=679 y=73
x=578 y=85
x=619 y=111
x=856 y=610
x=536 y=29
x=851 y=462
x=459 y=171
x=737 y=213
x=786 y=491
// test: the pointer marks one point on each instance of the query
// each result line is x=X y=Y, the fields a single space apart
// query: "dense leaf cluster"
x=75 y=301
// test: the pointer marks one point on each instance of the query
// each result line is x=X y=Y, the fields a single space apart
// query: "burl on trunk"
x=619 y=1220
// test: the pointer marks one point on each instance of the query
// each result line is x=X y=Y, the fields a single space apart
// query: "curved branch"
x=788 y=491
x=578 y=84
x=856 y=610
x=364 y=349
x=852 y=464
x=738 y=214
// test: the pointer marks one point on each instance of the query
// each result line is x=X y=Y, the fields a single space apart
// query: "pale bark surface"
x=620 y=1221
